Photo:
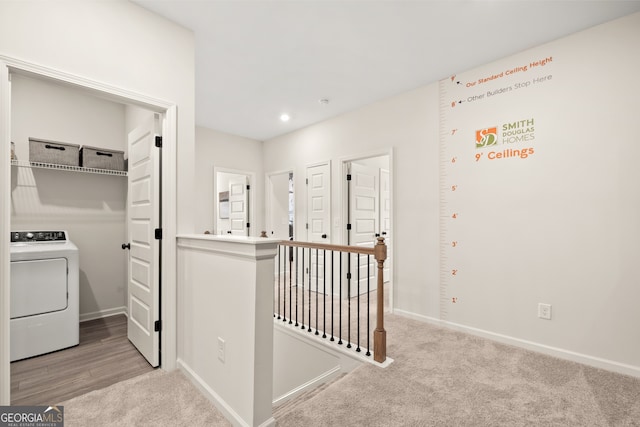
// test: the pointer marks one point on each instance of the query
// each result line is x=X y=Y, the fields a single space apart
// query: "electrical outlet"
x=544 y=311
x=221 y=351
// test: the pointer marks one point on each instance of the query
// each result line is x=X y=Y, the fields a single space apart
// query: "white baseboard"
x=214 y=398
x=271 y=422
x=560 y=353
x=418 y=317
x=84 y=317
x=309 y=385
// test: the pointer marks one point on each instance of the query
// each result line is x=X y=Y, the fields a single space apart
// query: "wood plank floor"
x=104 y=357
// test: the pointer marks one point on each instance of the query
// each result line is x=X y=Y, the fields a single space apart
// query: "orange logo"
x=486 y=137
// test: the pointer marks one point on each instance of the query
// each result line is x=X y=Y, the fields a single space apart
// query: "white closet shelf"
x=26 y=164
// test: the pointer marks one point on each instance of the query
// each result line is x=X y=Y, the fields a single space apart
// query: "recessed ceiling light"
x=285 y=117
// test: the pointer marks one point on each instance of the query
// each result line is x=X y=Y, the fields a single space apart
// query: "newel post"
x=380 y=335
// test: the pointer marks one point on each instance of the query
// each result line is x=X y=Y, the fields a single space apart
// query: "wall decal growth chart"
x=492 y=136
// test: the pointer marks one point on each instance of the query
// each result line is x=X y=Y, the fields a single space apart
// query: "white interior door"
x=144 y=217
x=318 y=203
x=363 y=217
x=385 y=218
x=318 y=220
x=238 y=206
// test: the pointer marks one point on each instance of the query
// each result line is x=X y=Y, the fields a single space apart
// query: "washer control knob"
x=29 y=236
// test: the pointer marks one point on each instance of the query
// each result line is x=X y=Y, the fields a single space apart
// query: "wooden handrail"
x=337 y=248
x=379 y=251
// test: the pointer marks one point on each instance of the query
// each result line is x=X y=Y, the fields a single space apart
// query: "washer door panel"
x=38 y=286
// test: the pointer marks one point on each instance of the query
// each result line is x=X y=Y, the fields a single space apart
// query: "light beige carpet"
x=445 y=378
x=154 y=399
x=439 y=378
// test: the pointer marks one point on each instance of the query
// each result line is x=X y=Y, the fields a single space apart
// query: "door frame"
x=168 y=112
x=344 y=162
x=252 y=198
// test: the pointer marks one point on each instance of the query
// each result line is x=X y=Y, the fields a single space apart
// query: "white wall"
x=228 y=289
x=569 y=220
x=381 y=162
x=90 y=207
x=221 y=150
x=559 y=226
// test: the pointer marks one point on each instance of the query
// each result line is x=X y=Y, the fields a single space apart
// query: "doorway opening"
x=234 y=200
x=368 y=209
x=281 y=205
x=91 y=208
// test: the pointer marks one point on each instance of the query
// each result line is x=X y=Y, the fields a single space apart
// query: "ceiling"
x=256 y=60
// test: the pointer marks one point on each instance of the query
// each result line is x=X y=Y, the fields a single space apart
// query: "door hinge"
x=348 y=177
x=158 y=141
x=348 y=226
x=306 y=181
x=248 y=187
x=157 y=326
x=248 y=225
x=306 y=226
x=158 y=233
x=349 y=276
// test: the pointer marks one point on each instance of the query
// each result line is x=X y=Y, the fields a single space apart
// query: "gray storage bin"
x=101 y=158
x=53 y=152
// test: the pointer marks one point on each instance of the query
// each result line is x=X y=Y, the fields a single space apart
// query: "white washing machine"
x=44 y=293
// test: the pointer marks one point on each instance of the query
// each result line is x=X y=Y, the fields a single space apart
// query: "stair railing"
x=299 y=292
